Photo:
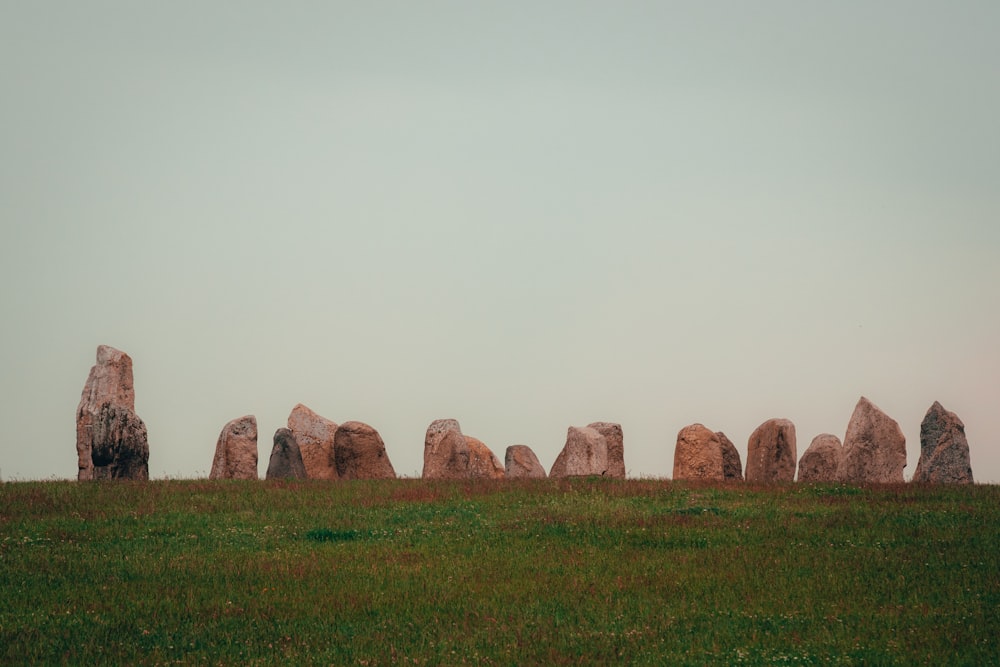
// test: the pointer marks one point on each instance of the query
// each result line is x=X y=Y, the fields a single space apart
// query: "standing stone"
x=616 y=447
x=874 y=447
x=446 y=453
x=314 y=435
x=821 y=460
x=771 y=453
x=732 y=466
x=360 y=453
x=236 y=450
x=585 y=453
x=944 y=451
x=698 y=454
x=520 y=462
x=111 y=440
x=286 y=460
x=483 y=463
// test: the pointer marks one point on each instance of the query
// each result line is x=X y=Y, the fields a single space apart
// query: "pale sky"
x=521 y=215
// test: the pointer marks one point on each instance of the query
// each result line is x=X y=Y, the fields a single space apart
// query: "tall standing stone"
x=616 y=447
x=314 y=435
x=821 y=460
x=771 y=453
x=732 y=467
x=360 y=453
x=286 y=460
x=446 y=453
x=111 y=440
x=520 y=462
x=483 y=463
x=944 y=451
x=236 y=450
x=874 y=447
x=585 y=453
x=698 y=454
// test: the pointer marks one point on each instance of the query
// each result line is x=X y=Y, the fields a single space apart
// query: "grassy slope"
x=553 y=572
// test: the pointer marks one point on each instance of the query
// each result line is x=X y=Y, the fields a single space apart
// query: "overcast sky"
x=522 y=215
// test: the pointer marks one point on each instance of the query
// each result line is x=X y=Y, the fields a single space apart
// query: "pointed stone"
x=944 y=451
x=771 y=453
x=360 y=453
x=520 y=462
x=286 y=460
x=483 y=463
x=732 y=466
x=111 y=440
x=874 y=447
x=616 y=447
x=236 y=450
x=698 y=454
x=446 y=453
x=585 y=453
x=821 y=460
x=314 y=435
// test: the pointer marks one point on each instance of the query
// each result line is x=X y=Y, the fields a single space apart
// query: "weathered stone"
x=446 y=453
x=360 y=453
x=732 y=466
x=236 y=450
x=771 y=455
x=874 y=447
x=520 y=462
x=585 y=453
x=483 y=463
x=944 y=451
x=111 y=440
x=821 y=460
x=698 y=454
x=616 y=447
x=314 y=435
x=286 y=460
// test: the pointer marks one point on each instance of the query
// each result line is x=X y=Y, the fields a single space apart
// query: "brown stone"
x=771 y=455
x=698 y=454
x=732 y=466
x=874 y=447
x=616 y=447
x=360 y=453
x=520 y=462
x=821 y=460
x=585 y=453
x=314 y=435
x=944 y=450
x=446 y=453
x=483 y=463
x=286 y=460
x=111 y=440
x=236 y=450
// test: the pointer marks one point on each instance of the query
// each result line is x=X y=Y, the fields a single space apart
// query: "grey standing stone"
x=585 y=453
x=286 y=460
x=944 y=450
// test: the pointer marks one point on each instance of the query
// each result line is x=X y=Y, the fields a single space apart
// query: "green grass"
x=584 y=571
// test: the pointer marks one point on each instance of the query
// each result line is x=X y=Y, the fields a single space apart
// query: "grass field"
x=584 y=571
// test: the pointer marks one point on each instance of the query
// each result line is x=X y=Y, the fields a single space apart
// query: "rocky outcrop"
x=585 y=453
x=771 y=455
x=874 y=447
x=236 y=450
x=821 y=460
x=616 y=447
x=483 y=463
x=944 y=451
x=520 y=462
x=111 y=440
x=286 y=460
x=732 y=466
x=446 y=453
x=698 y=454
x=360 y=453
x=314 y=435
